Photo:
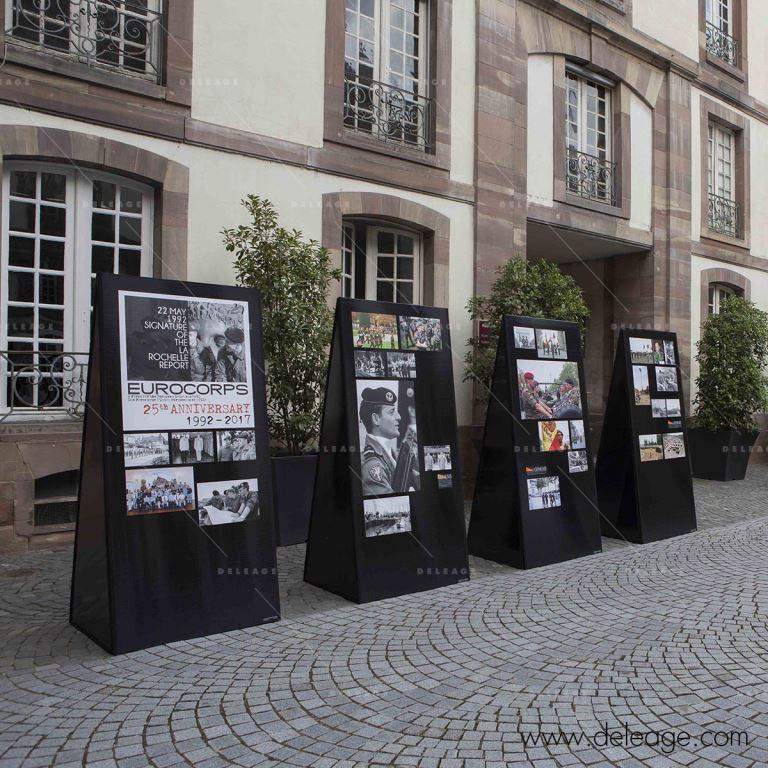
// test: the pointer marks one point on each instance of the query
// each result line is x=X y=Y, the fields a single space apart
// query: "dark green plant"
x=293 y=276
x=732 y=355
x=535 y=289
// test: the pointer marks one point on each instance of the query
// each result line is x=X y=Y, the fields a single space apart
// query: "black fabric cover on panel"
x=535 y=500
x=387 y=513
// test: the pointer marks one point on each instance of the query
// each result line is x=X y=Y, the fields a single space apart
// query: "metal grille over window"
x=719 y=32
x=125 y=35
x=724 y=211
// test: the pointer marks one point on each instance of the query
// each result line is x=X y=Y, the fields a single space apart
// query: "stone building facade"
x=424 y=142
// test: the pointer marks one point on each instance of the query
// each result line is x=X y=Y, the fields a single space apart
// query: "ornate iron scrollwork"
x=590 y=177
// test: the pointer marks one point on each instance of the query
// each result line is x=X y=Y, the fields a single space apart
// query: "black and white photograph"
x=658 y=408
x=525 y=338
x=551 y=344
x=548 y=390
x=674 y=445
x=386 y=516
x=389 y=448
x=669 y=353
x=650 y=448
x=236 y=445
x=641 y=351
x=192 y=447
x=554 y=436
x=437 y=458
x=424 y=333
x=227 y=501
x=401 y=365
x=666 y=379
x=641 y=385
x=673 y=408
x=369 y=363
x=577 y=461
x=165 y=489
x=578 y=438
x=144 y=449
x=544 y=492
x=374 y=330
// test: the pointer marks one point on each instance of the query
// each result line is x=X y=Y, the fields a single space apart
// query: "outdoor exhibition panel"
x=387 y=513
x=175 y=534
x=535 y=501
x=643 y=470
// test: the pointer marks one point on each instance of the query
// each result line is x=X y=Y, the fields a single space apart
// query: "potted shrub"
x=293 y=276
x=731 y=389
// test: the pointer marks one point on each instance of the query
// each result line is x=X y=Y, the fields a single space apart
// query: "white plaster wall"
x=463 y=92
x=641 y=176
x=757 y=50
x=540 y=150
x=218 y=181
x=256 y=71
x=672 y=22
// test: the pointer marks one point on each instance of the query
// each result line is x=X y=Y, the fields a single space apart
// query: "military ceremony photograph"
x=548 y=390
x=150 y=491
x=543 y=492
x=142 y=449
x=425 y=333
x=383 y=517
x=377 y=331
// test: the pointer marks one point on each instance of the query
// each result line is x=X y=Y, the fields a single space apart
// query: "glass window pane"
x=366 y=28
x=23 y=183
x=51 y=323
x=366 y=7
x=51 y=289
x=21 y=217
x=21 y=286
x=385 y=266
x=103 y=227
x=404 y=293
x=130 y=230
x=130 y=200
x=53 y=221
x=21 y=321
x=130 y=262
x=52 y=255
x=54 y=187
x=386 y=242
x=102 y=259
x=405 y=269
x=21 y=251
x=103 y=195
x=384 y=291
x=404 y=244
x=21 y=352
x=347 y=287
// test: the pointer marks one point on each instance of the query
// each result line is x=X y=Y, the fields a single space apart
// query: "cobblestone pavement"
x=670 y=636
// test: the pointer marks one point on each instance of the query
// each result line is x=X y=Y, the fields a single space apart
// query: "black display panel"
x=175 y=529
x=387 y=512
x=535 y=500
x=643 y=468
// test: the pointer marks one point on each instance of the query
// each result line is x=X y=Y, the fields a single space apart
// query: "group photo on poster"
x=641 y=351
x=374 y=330
x=549 y=390
x=185 y=362
x=227 y=501
x=424 y=333
x=389 y=448
x=144 y=449
x=168 y=489
x=191 y=447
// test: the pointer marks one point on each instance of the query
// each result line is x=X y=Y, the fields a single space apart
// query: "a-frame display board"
x=535 y=501
x=387 y=513
x=175 y=530
x=643 y=468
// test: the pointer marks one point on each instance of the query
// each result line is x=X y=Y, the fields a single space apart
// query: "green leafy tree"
x=732 y=355
x=293 y=276
x=534 y=289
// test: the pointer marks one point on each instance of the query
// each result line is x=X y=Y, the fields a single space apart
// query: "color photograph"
x=369 y=363
x=191 y=447
x=578 y=438
x=389 y=448
x=669 y=353
x=437 y=457
x=674 y=445
x=650 y=447
x=551 y=344
x=554 y=436
x=666 y=379
x=641 y=351
x=424 y=333
x=548 y=390
x=544 y=492
x=401 y=365
x=525 y=338
x=577 y=461
x=151 y=491
x=641 y=385
x=658 y=351
x=386 y=516
x=371 y=329
x=227 y=501
x=236 y=445
x=145 y=449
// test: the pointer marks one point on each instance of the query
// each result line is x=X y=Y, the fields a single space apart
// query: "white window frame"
x=372 y=254
x=720 y=14
x=582 y=91
x=717 y=292
x=721 y=161
x=77 y=252
x=348 y=257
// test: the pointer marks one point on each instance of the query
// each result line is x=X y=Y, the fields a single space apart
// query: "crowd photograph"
x=374 y=330
x=144 y=449
x=641 y=351
x=666 y=379
x=159 y=490
x=386 y=516
x=549 y=390
x=227 y=501
x=674 y=445
x=437 y=457
x=401 y=365
x=578 y=461
x=369 y=363
x=425 y=333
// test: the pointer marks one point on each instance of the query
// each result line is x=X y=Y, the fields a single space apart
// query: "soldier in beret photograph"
x=230 y=362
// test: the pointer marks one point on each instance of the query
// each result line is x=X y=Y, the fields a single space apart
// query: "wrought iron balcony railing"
x=43 y=382
x=124 y=35
x=590 y=177
x=724 y=216
x=388 y=113
x=722 y=45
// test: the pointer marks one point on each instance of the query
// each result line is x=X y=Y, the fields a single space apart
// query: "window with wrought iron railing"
x=385 y=71
x=719 y=27
x=724 y=211
x=121 y=35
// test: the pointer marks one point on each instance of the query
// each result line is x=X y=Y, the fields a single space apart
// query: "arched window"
x=61 y=225
x=718 y=292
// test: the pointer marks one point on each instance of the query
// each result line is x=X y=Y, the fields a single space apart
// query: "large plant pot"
x=720 y=455
x=293 y=480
